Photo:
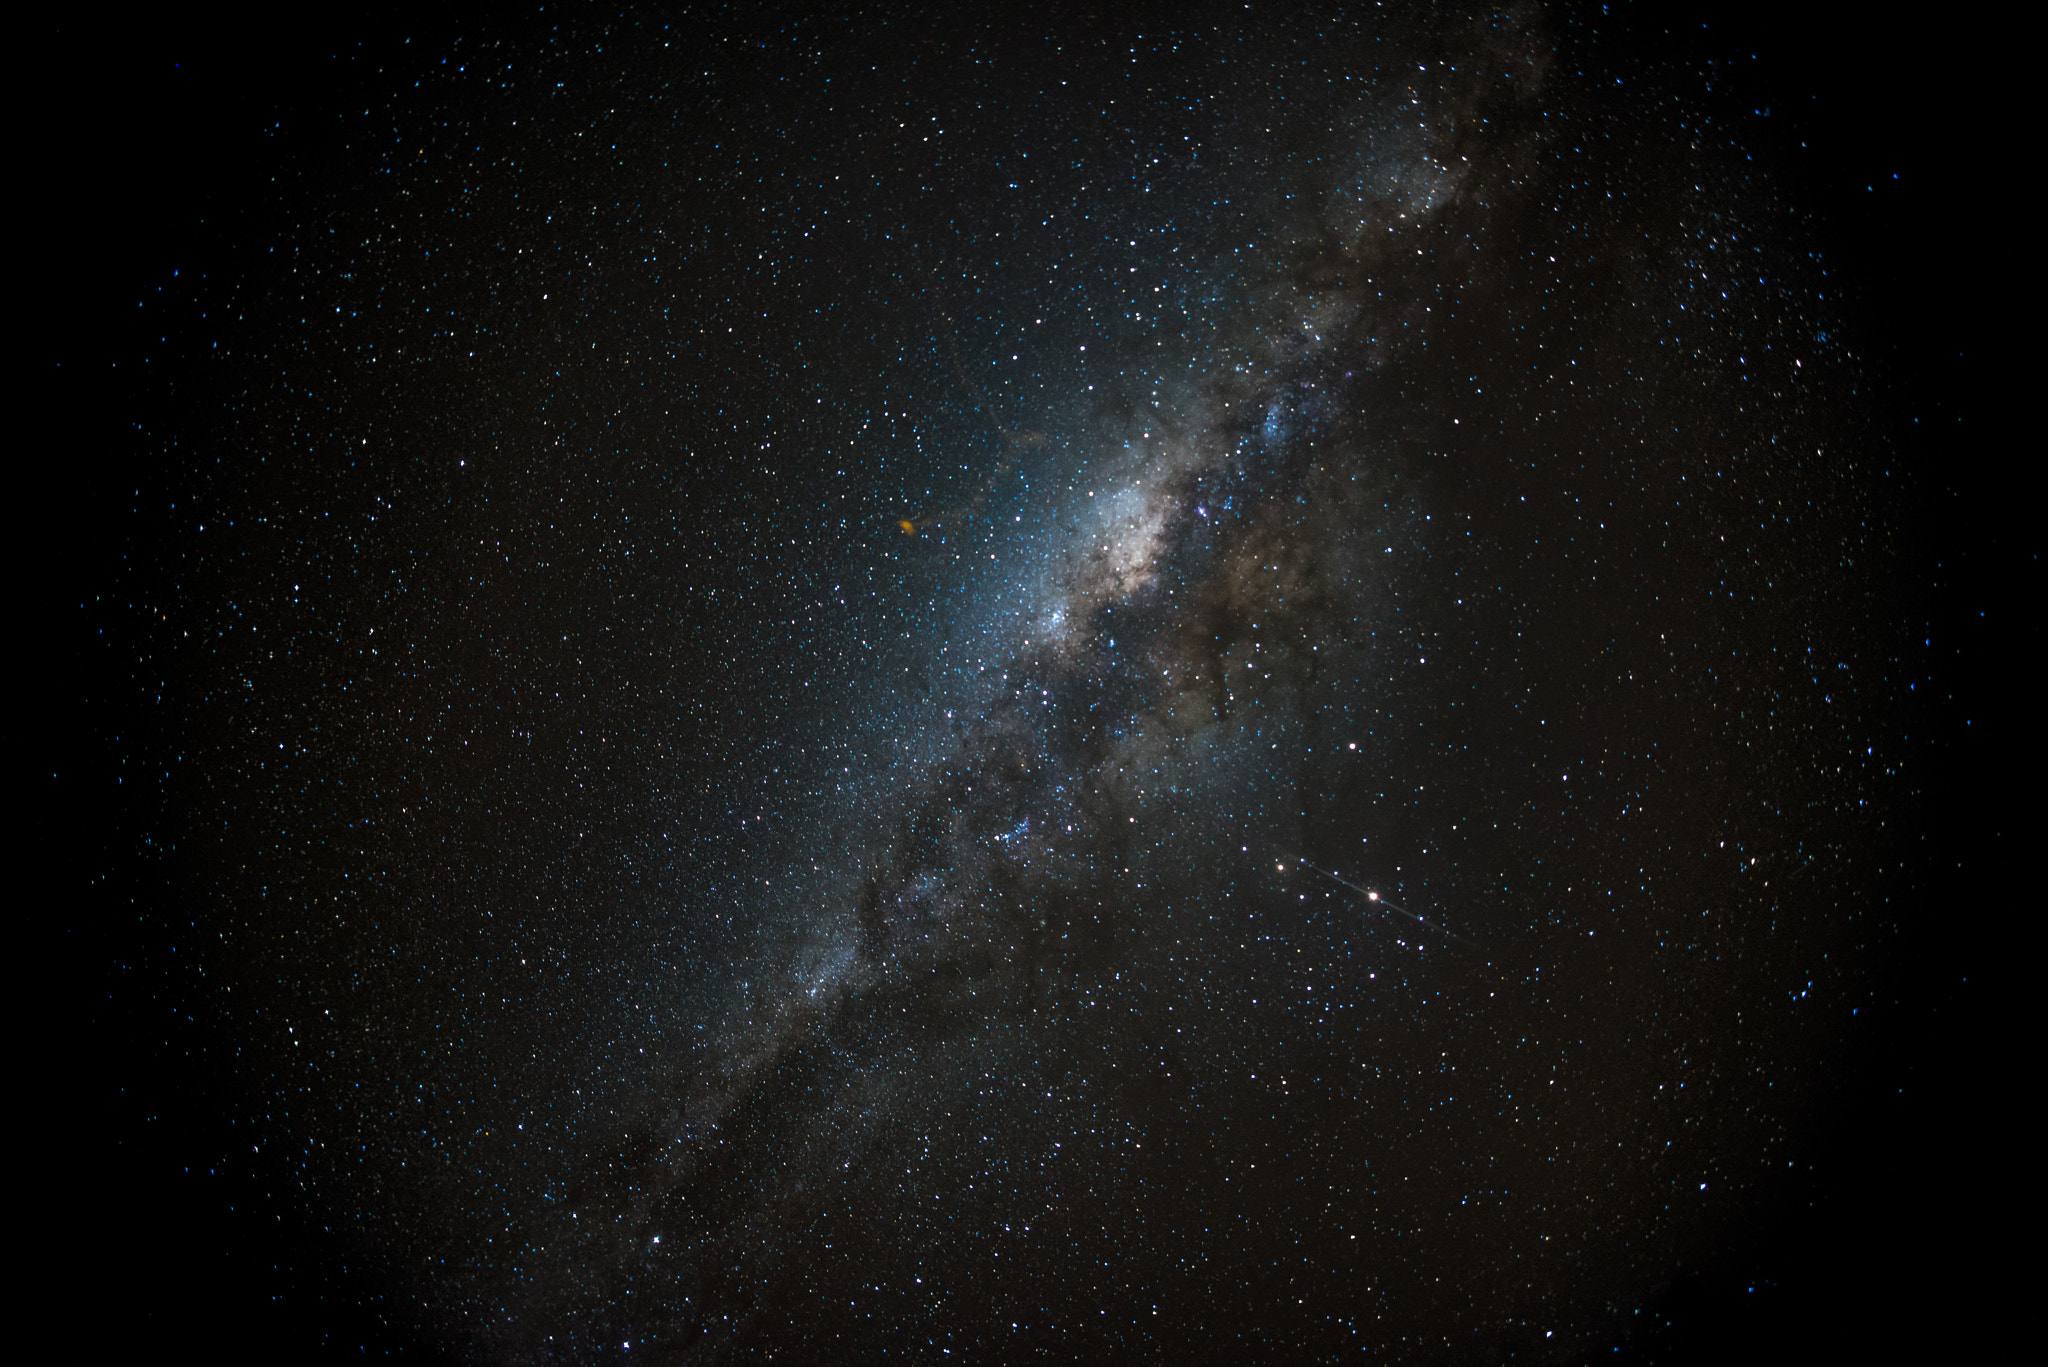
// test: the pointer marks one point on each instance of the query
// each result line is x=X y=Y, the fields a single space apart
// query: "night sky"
x=1279 y=685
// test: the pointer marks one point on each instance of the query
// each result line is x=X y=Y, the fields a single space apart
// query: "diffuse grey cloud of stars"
x=1207 y=691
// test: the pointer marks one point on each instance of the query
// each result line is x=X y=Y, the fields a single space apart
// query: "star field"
x=1257 y=688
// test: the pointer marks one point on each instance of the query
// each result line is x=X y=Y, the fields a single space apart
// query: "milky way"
x=1237 y=690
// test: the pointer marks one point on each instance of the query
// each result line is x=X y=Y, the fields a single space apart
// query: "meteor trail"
x=1376 y=900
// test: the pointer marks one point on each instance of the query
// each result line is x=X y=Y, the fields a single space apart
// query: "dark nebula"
x=1249 y=688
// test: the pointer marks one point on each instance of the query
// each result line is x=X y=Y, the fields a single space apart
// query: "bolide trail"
x=1375 y=899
